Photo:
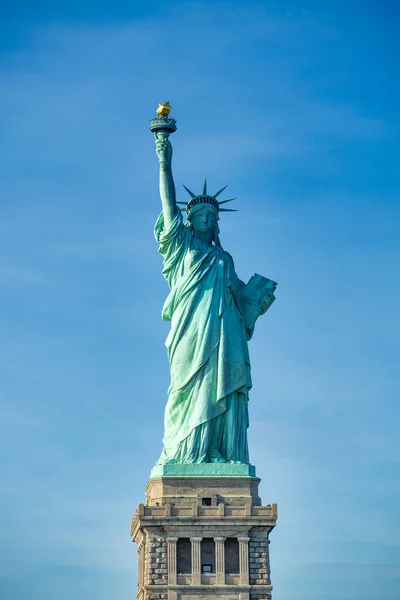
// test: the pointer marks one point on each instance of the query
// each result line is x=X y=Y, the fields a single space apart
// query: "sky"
x=294 y=105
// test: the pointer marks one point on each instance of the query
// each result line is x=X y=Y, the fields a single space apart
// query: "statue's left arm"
x=257 y=296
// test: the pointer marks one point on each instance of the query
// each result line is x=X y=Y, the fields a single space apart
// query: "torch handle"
x=163 y=147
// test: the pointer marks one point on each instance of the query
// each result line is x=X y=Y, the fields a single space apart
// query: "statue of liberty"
x=212 y=314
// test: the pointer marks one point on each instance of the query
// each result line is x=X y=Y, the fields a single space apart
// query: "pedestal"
x=203 y=536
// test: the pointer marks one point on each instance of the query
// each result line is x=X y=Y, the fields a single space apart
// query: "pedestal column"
x=244 y=560
x=220 y=560
x=196 y=560
x=171 y=550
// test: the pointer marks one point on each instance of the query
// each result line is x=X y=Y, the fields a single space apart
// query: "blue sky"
x=295 y=106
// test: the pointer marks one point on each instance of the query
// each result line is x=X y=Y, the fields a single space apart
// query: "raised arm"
x=167 y=186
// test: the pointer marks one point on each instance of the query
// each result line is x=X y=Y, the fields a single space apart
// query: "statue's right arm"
x=167 y=186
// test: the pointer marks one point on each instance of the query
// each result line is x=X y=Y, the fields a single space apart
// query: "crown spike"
x=225 y=201
x=189 y=192
x=219 y=192
x=228 y=210
x=205 y=187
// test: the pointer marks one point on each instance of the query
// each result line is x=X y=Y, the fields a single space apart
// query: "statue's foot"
x=216 y=457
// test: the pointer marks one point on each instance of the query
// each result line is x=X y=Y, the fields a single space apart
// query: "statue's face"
x=204 y=219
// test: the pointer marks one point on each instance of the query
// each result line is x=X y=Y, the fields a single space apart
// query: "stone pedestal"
x=203 y=536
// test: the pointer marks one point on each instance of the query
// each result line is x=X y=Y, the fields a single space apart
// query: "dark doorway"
x=231 y=556
x=208 y=554
x=183 y=556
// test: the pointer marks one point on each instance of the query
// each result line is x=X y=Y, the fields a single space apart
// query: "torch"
x=163 y=125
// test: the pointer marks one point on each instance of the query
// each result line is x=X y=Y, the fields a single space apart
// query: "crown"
x=205 y=198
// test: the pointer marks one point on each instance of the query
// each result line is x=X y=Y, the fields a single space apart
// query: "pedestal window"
x=207 y=556
x=232 y=556
x=184 y=556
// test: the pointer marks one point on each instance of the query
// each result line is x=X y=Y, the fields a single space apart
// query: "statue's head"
x=203 y=218
x=202 y=211
x=205 y=200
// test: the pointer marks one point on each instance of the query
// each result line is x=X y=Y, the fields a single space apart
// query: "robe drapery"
x=206 y=416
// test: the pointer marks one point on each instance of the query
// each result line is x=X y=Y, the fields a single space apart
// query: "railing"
x=271 y=510
x=155 y=511
x=209 y=512
x=180 y=511
x=235 y=511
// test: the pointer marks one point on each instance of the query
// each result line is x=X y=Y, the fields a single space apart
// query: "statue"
x=212 y=314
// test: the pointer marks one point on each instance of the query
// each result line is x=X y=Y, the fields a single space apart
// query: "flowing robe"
x=206 y=414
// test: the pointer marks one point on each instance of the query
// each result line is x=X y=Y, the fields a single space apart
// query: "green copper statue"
x=212 y=314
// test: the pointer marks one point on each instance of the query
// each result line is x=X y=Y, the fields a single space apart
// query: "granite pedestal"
x=203 y=534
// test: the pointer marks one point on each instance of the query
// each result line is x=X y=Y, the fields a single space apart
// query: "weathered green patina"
x=203 y=470
x=212 y=314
